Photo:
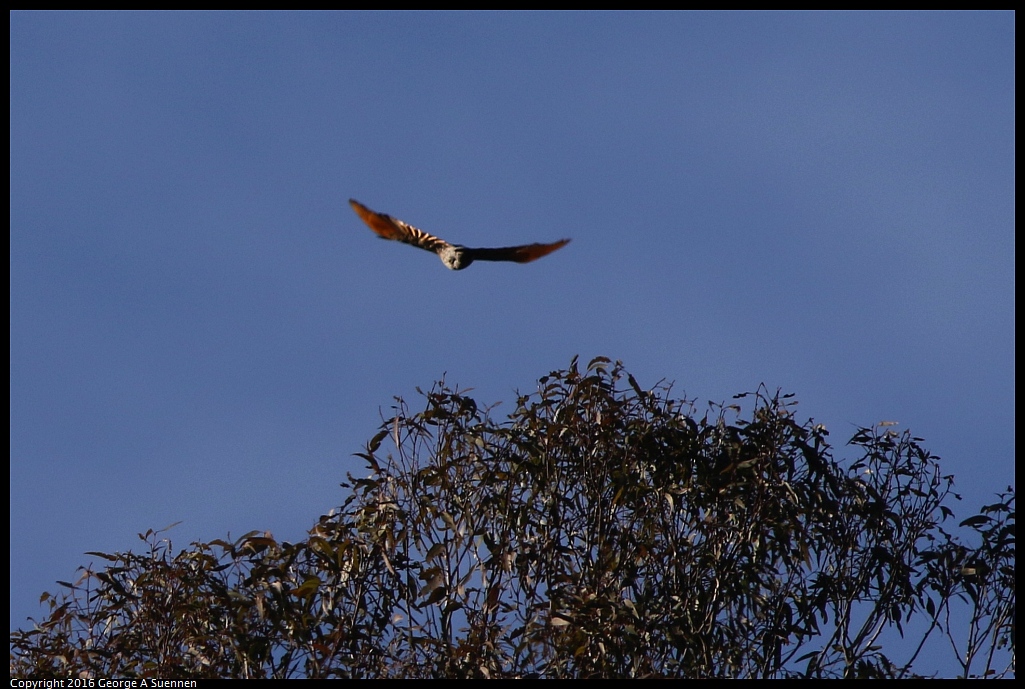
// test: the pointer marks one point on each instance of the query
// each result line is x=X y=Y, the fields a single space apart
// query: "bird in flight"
x=454 y=256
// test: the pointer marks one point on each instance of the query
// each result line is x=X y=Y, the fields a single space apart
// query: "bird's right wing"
x=388 y=227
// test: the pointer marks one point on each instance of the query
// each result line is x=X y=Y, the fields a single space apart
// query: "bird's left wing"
x=517 y=254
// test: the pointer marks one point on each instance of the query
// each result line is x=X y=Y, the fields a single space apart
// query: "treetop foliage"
x=601 y=530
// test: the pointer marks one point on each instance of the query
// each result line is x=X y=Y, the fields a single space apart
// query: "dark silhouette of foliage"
x=602 y=530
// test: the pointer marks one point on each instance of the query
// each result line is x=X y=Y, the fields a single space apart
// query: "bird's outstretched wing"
x=388 y=227
x=518 y=254
x=454 y=256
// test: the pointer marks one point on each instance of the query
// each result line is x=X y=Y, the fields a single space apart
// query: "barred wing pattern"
x=454 y=256
x=388 y=227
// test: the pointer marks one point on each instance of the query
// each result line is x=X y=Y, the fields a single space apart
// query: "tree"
x=602 y=530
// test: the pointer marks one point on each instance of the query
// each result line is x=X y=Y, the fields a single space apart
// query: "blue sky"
x=203 y=331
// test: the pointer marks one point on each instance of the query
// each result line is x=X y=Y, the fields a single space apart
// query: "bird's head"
x=455 y=257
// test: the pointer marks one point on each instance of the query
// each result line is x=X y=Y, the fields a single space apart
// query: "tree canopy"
x=601 y=530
